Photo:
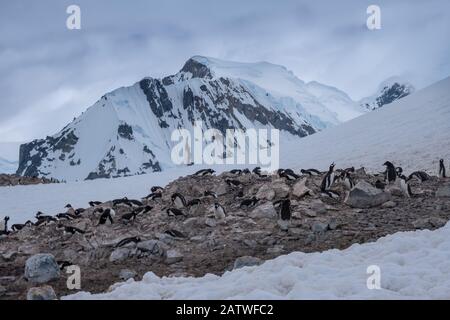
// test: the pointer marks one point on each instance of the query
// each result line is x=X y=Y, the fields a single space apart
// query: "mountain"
x=389 y=90
x=7 y=166
x=128 y=130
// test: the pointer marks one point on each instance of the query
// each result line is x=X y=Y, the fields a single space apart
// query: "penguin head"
x=216 y=205
x=302 y=170
x=6 y=218
x=68 y=205
x=441 y=161
x=388 y=164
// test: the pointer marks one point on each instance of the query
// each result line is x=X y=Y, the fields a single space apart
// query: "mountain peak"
x=197 y=67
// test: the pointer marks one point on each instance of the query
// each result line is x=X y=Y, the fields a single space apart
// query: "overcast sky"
x=49 y=74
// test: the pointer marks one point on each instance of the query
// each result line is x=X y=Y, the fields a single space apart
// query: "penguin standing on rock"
x=442 y=169
x=421 y=176
x=125 y=241
x=328 y=180
x=219 y=211
x=284 y=214
x=210 y=194
x=18 y=227
x=70 y=209
x=391 y=173
x=156 y=189
x=248 y=203
x=4 y=226
x=70 y=230
x=347 y=180
x=94 y=203
x=107 y=215
x=174 y=212
x=404 y=185
x=310 y=172
x=178 y=200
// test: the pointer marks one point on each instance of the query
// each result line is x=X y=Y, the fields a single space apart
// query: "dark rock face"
x=156 y=96
x=395 y=92
x=197 y=69
x=125 y=131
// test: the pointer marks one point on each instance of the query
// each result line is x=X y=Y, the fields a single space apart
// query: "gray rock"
x=389 y=204
x=197 y=239
x=281 y=189
x=443 y=192
x=276 y=250
x=9 y=256
x=319 y=227
x=300 y=189
x=2 y=290
x=120 y=254
x=211 y=222
x=318 y=207
x=41 y=293
x=41 y=268
x=265 y=210
x=153 y=247
x=284 y=224
x=295 y=231
x=126 y=274
x=246 y=261
x=173 y=256
x=265 y=193
x=364 y=195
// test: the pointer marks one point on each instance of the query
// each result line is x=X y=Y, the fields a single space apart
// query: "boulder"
x=126 y=274
x=281 y=189
x=318 y=207
x=246 y=261
x=389 y=204
x=319 y=227
x=41 y=268
x=120 y=254
x=153 y=247
x=266 y=210
x=364 y=195
x=41 y=293
x=300 y=189
x=265 y=193
x=173 y=256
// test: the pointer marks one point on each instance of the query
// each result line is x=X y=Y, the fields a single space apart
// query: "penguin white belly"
x=178 y=203
x=219 y=213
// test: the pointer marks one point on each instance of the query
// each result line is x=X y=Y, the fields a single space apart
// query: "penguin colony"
x=180 y=206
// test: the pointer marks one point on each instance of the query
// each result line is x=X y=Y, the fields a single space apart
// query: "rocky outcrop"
x=364 y=195
x=41 y=268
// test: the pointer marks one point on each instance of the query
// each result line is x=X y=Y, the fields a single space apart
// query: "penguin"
x=70 y=209
x=193 y=202
x=94 y=203
x=135 y=202
x=156 y=189
x=289 y=174
x=350 y=170
x=123 y=200
x=236 y=171
x=404 y=185
x=70 y=230
x=153 y=196
x=219 y=211
x=106 y=216
x=390 y=173
x=79 y=211
x=248 y=203
x=284 y=214
x=246 y=171
x=310 y=172
x=347 y=180
x=178 y=200
x=175 y=233
x=143 y=210
x=442 y=169
x=4 y=226
x=421 y=176
x=233 y=183
x=62 y=264
x=204 y=172
x=257 y=171
x=328 y=180
x=125 y=241
x=128 y=217
x=210 y=194
x=380 y=185
x=44 y=219
x=18 y=227
x=65 y=216
x=174 y=212
x=399 y=171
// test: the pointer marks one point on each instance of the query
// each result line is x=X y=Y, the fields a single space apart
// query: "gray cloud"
x=50 y=74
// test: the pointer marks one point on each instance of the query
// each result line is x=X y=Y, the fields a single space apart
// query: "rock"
x=276 y=250
x=154 y=247
x=281 y=189
x=319 y=227
x=173 y=256
x=265 y=193
x=221 y=189
x=120 y=254
x=190 y=222
x=246 y=261
x=41 y=293
x=126 y=274
x=437 y=222
x=250 y=243
x=443 y=192
x=41 y=268
x=284 y=224
x=300 y=189
x=210 y=222
x=197 y=239
x=295 y=231
x=333 y=224
x=364 y=195
x=2 y=290
x=318 y=207
x=395 y=190
x=265 y=210
x=389 y=204
x=9 y=256
x=427 y=223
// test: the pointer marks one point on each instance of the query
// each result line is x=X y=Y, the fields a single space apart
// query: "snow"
x=7 y=166
x=412 y=265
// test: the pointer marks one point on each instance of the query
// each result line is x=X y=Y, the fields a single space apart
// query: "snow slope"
x=7 y=166
x=413 y=265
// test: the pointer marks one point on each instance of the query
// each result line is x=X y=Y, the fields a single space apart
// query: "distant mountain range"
x=128 y=131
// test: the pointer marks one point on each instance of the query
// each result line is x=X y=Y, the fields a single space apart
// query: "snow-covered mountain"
x=128 y=130
x=7 y=166
x=388 y=91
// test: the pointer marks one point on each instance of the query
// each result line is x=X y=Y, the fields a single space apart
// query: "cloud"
x=50 y=74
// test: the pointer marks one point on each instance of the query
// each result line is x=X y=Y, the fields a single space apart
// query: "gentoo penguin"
x=128 y=217
x=4 y=226
x=154 y=195
x=246 y=171
x=347 y=180
x=70 y=209
x=175 y=233
x=156 y=189
x=94 y=203
x=310 y=172
x=390 y=174
x=289 y=174
x=62 y=264
x=204 y=172
x=236 y=171
x=123 y=200
x=193 y=202
x=248 y=203
x=70 y=230
x=404 y=185
x=125 y=241
x=18 y=227
x=350 y=170
x=106 y=216
x=210 y=194
x=284 y=214
x=143 y=210
x=399 y=171
x=174 y=212
x=178 y=200
x=44 y=219
x=328 y=180
x=233 y=183
x=65 y=216
x=442 y=169
x=219 y=211
x=421 y=176
x=257 y=171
